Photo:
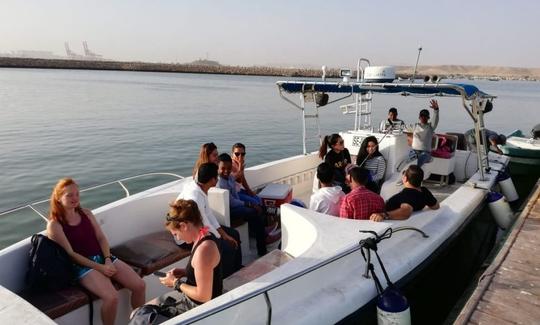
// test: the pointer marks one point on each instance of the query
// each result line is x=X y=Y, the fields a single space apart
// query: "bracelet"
x=108 y=257
x=178 y=283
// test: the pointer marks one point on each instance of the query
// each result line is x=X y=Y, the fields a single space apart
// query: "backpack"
x=50 y=267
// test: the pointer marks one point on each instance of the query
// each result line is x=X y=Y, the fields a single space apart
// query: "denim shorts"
x=80 y=271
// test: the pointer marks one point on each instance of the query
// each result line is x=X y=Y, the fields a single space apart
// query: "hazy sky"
x=335 y=33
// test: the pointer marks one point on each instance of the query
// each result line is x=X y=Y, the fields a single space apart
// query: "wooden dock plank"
x=511 y=307
x=509 y=292
x=518 y=280
x=482 y=318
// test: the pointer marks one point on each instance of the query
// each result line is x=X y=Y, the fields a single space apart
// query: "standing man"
x=423 y=134
x=392 y=122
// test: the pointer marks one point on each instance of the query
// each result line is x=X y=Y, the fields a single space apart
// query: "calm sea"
x=99 y=126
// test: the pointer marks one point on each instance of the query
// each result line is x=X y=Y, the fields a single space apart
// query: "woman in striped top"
x=371 y=159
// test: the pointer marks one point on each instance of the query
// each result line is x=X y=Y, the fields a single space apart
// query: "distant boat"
x=524 y=152
x=494 y=78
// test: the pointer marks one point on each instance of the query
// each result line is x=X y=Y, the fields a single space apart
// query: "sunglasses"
x=238 y=154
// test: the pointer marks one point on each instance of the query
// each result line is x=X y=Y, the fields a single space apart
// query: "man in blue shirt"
x=244 y=210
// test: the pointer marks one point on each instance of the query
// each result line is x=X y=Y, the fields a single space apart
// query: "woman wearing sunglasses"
x=338 y=156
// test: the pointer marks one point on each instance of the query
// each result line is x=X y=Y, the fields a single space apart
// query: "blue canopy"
x=440 y=89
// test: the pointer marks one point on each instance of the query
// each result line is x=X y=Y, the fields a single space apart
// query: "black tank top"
x=217 y=279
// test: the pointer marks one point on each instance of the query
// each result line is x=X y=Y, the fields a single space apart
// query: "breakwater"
x=160 y=67
x=444 y=71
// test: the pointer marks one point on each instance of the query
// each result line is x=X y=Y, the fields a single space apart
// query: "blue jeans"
x=422 y=156
x=244 y=196
x=231 y=258
x=256 y=223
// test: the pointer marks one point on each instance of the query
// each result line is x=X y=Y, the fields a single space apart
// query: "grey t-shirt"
x=423 y=133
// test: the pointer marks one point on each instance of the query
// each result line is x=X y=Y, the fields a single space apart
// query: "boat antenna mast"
x=416 y=65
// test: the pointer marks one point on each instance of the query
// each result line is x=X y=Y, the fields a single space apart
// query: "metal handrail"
x=118 y=181
x=264 y=290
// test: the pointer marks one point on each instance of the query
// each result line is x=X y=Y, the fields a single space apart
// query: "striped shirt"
x=376 y=167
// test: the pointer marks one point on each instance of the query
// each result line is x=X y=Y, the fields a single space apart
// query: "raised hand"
x=433 y=104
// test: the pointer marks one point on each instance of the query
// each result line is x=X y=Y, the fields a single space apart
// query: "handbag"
x=150 y=314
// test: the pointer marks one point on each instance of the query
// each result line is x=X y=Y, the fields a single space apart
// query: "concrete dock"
x=509 y=290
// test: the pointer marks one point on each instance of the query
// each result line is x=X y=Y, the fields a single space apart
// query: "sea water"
x=99 y=126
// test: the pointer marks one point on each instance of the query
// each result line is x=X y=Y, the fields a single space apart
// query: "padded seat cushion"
x=57 y=303
x=151 y=252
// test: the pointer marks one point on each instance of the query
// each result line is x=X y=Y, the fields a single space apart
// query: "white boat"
x=316 y=276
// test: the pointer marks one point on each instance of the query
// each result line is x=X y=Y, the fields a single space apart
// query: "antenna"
x=416 y=66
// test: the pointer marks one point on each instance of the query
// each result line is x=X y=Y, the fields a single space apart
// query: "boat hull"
x=435 y=286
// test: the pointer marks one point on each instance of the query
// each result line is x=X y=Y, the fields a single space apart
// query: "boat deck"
x=509 y=290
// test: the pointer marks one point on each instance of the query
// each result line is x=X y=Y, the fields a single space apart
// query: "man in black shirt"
x=413 y=197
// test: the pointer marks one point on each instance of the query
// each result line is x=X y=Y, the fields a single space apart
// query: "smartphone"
x=160 y=274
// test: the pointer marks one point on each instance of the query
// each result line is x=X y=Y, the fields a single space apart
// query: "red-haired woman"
x=76 y=230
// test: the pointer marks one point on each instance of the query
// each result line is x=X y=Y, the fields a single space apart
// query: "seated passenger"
x=423 y=134
x=360 y=203
x=338 y=156
x=413 y=197
x=371 y=159
x=392 y=123
x=228 y=238
x=202 y=279
x=208 y=153
x=239 y=163
x=492 y=139
x=77 y=231
x=328 y=197
x=245 y=210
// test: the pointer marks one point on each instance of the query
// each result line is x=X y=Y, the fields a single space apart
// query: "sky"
x=281 y=32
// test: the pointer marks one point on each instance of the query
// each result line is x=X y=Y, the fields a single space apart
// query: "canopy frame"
x=473 y=100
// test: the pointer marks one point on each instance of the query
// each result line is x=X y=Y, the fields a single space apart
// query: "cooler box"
x=274 y=195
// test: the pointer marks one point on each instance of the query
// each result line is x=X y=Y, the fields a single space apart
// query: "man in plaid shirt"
x=360 y=203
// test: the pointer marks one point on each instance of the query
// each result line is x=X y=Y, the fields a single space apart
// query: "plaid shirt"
x=360 y=203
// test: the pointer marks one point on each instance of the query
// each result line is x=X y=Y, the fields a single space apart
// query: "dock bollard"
x=500 y=209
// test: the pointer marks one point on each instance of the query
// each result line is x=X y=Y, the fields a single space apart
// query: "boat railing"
x=264 y=290
x=121 y=182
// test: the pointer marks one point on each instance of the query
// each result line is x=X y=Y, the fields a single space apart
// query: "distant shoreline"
x=445 y=71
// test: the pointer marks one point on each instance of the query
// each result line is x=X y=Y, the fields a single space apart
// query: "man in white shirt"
x=328 y=198
x=229 y=237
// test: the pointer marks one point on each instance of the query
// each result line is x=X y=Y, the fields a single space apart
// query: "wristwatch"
x=178 y=283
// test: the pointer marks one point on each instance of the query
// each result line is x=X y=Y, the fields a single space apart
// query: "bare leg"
x=101 y=286
x=132 y=281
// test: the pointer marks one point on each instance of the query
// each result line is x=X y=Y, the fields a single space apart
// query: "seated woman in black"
x=413 y=197
x=201 y=280
x=339 y=157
